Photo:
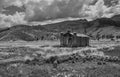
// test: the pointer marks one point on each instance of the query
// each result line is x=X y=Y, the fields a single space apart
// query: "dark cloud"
x=11 y=10
x=110 y=3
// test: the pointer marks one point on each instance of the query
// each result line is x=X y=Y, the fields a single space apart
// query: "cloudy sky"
x=14 y=12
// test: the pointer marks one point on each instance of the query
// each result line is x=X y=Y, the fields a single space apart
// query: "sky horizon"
x=26 y=11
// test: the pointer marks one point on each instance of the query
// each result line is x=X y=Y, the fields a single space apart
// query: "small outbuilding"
x=69 y=39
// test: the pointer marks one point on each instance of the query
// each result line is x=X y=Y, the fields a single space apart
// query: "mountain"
x=105 y=26
x=102 y=26
x=75 y=25
x=23 y=32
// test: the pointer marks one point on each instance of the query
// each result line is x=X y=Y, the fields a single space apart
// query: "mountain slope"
x=22 y=32
x=102 y=26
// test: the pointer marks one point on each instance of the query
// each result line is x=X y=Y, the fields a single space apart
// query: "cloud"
x=10 y=20
x=99 y=9
x=41 y=10
x=53 y=9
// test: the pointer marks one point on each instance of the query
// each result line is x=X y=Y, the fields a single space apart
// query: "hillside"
x=103 y=26
x=22 y=32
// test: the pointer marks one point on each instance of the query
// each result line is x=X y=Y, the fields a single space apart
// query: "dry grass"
x=22 y=51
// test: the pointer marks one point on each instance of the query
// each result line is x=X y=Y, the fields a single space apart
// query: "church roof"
x=82 y=35
x=78 y=34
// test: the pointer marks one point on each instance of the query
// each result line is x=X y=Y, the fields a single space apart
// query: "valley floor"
x=38 y=59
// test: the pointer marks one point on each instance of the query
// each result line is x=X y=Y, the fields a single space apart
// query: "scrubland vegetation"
x=49 y=60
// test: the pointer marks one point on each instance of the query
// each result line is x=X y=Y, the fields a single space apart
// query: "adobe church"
x=69 y=39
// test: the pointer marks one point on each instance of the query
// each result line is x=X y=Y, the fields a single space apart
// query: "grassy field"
x=37 y=59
